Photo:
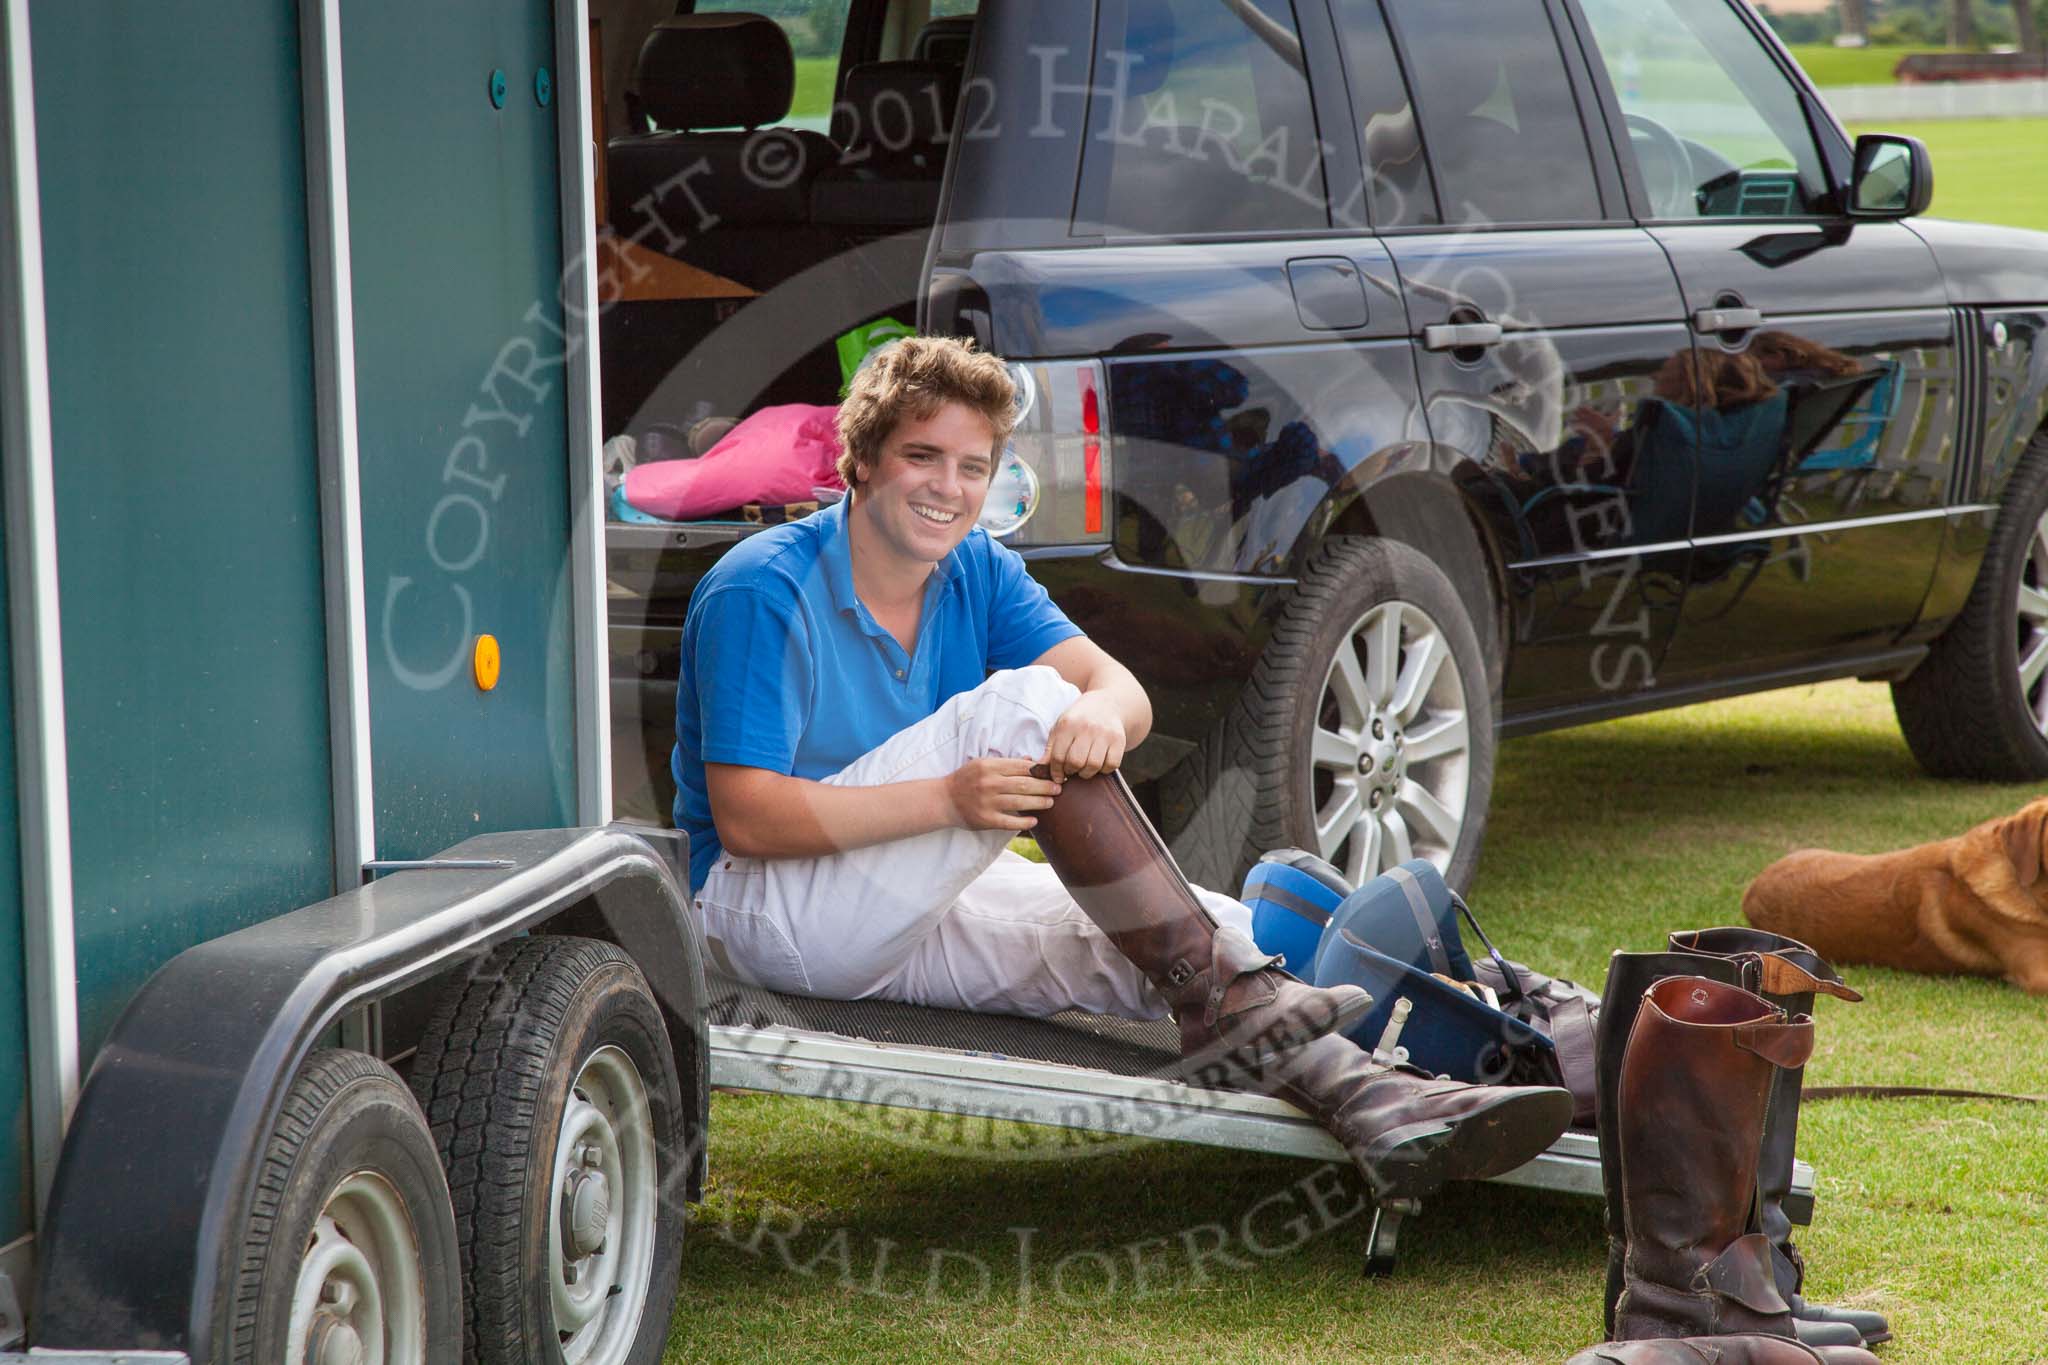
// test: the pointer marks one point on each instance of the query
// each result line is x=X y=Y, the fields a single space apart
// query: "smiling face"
x=921 y=498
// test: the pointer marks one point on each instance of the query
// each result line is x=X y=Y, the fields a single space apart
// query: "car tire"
x=349 y=1251
x=1970 y=710
x=1276 y=766
x=549 y=1083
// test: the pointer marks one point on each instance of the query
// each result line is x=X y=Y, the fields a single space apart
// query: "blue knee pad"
x=1292 y=895
x=1394 y=936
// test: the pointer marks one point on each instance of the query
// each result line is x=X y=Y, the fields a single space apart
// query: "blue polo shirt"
x=784 y=668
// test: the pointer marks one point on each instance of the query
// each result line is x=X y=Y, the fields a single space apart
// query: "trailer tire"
x=350 y=1236
x=551 y=1088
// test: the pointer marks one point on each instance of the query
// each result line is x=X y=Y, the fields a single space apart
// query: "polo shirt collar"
x=837 y=556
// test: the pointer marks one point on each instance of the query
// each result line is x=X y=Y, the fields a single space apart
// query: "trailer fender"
x=160 y=1164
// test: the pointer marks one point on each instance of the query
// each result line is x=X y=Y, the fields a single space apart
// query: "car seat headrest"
x=944 y=41
x=731 y=70
x=901 y=109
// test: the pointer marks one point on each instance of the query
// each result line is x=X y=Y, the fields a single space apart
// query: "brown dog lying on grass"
x=1975 y=903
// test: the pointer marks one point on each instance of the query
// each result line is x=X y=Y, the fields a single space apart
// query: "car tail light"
x=1091 y=451
x=1052 y=485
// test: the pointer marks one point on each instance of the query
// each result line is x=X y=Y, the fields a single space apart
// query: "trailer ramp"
x=1081 y=1071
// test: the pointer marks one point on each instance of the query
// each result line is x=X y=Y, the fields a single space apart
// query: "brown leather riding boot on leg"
x=1408 y=1132
x=1267 y=1031
x=1745 y=1350
x=1695 y=1081
x=1233 y=1002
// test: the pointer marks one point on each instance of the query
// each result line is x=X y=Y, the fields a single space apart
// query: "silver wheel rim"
x=602 y=1211
x=360 y=1297
x=2033 y=626
x=1391 y=755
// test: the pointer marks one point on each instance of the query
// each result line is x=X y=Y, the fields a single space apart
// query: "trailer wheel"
x=552 y=1092
x=349 y=1253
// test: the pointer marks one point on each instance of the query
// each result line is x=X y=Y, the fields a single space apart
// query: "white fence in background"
x=1951 y=99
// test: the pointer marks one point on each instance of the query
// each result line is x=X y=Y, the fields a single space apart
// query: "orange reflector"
x=485 y=662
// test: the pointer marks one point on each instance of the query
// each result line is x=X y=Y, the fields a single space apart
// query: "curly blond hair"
x=912 y=379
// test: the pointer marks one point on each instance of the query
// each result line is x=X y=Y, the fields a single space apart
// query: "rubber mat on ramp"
x=1100 y=1042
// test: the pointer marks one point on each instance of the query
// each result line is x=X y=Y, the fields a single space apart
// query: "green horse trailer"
x=342 y=1015
x=306 y=779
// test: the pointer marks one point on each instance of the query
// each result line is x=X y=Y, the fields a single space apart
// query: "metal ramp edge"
x=967 y=1084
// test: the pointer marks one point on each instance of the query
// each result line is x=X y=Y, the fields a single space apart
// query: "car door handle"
x=1711 y=320
x=1460 y=336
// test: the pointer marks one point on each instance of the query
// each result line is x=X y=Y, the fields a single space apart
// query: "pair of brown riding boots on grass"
x=1701 y=1056
x=1247 y=1024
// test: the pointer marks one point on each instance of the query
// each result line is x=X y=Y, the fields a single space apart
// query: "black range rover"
x=1400 y=374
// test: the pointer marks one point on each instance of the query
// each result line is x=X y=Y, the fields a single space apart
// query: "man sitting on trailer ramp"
x=876 y=699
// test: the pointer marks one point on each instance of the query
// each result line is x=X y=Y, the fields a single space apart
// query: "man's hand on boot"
x=1088 y=739
x=998 y=793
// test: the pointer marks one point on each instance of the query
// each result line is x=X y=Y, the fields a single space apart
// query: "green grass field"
x=814 y=78
x=869 y=1234
x=1831 y=65
x=1986 y=170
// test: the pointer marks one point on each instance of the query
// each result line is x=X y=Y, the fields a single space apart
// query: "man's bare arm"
x=764 y=814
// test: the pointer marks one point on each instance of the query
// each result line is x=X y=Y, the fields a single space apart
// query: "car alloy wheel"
x=1365 y=732
x=1391 y=755
x=1977 y=706
x=2032 y=612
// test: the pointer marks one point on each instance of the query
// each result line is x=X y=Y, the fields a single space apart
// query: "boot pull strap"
x=1571 y=1028
x=1780 y=975
x=1227 y=962
x=1743 y=1273
x=1781 y=1042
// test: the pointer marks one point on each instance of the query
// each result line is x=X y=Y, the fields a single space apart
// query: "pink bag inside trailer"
x=778 y=455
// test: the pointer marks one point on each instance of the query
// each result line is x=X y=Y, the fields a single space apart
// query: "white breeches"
x=947 y=918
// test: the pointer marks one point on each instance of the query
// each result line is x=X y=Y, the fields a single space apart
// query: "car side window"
x=1715 y=127
x=1397 y=172
x=1200 y=121
x=1499 y=119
